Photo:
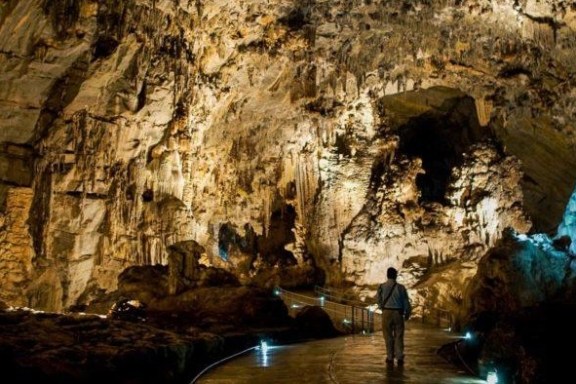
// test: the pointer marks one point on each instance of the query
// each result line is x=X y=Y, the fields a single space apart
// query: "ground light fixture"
x=492 y=377
x=492 y=372
x=263 y=353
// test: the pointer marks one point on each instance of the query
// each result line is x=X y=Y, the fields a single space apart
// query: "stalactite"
x=306 y=184
x=300 y=188
x=267 y=209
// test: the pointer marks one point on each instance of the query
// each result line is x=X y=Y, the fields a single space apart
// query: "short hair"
x=391 y=273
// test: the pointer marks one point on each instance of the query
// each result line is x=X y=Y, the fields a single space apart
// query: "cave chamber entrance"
x=437 y=125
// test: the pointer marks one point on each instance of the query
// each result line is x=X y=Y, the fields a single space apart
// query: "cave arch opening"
x=429 y=138
x=439 y=136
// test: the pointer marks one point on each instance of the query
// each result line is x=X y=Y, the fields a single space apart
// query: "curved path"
x=354 y=359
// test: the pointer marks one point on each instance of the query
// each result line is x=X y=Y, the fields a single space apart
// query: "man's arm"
x=406 y=304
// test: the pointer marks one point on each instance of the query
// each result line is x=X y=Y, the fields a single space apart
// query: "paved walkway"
x=354 y=359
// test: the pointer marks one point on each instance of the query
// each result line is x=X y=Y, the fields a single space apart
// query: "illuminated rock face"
x=278 y=136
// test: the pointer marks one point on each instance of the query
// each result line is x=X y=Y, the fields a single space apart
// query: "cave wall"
x=131 y=126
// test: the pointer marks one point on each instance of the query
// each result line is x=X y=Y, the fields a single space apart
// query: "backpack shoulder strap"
x=389 y=294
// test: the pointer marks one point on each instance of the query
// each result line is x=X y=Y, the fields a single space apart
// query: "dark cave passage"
x=429 y=138
x=440 y=137
x=271 y=246
x=228 y=239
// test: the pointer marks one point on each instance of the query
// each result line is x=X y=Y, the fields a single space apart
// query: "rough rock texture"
x=16 y=246
x=519 y=308
x=522 y=272
x=73 y=349
x=311 y=141
x=170 y=342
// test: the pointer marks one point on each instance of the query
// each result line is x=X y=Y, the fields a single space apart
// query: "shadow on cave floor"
x=345 y=360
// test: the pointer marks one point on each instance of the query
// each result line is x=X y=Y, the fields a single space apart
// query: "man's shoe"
x=400 y=362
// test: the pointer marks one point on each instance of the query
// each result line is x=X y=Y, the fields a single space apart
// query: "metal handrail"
x=434 y=315
x=328 y=293
x=438 y=316
x=346 y=318
x=358 y=316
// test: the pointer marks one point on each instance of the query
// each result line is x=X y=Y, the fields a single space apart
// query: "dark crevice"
x=378 y=169
x=296 y=19
x=104 y=47
x=271 y=246
x=229 y=238
x=148 y=196
x=142 y=99
x=40 y=212
x=513 y=71
x=87 y=195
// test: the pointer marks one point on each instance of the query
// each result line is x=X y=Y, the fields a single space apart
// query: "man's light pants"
x=393 y=330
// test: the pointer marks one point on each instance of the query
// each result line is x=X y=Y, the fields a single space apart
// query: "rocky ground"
x=165 y=347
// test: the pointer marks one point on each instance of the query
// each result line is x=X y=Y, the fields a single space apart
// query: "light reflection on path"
x=344 y=360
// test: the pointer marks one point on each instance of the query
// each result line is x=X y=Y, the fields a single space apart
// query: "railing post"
x=371 y=315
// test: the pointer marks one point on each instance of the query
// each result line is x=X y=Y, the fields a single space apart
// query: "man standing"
x=395 y=305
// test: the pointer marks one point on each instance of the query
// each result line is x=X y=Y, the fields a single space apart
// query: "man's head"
x=392 y=273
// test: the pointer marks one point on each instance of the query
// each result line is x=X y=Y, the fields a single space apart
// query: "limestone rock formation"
x=313 y=141
x=518 y=308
